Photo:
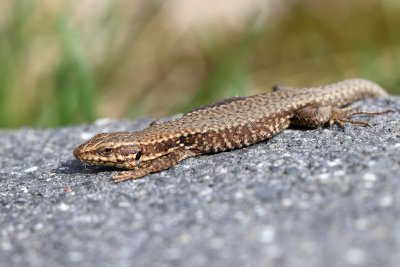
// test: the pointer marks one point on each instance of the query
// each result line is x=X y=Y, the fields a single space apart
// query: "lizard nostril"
x=78 y=152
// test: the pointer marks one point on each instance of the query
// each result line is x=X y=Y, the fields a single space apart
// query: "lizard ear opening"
x=138 y=155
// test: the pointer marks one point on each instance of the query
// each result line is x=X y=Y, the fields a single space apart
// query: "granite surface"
x=322 y=197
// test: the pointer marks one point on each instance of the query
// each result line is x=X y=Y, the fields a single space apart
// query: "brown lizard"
x=228 y=124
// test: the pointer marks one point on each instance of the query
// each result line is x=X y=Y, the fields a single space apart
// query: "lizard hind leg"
x=316 y=116
x=312 y=116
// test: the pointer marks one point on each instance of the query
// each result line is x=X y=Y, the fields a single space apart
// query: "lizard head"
x=110 y=149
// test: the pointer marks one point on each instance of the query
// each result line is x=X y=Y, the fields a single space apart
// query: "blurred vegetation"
x=67 y=62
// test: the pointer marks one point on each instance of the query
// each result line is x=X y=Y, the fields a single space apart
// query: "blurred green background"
x=68 y=62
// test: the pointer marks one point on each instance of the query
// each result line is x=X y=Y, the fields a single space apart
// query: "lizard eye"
x=106 y=151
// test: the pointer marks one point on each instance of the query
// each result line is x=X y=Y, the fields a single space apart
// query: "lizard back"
x=241 y=121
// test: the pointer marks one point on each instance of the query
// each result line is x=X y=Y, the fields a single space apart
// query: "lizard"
x=229 y=124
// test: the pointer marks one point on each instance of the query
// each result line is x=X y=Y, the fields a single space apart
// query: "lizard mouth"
x=85 y=157
x=91 y=159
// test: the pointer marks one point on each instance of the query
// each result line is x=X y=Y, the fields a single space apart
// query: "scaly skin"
x=229 y=124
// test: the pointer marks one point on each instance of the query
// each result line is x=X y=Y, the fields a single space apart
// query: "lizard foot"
x=127 y=175
x=341 y=116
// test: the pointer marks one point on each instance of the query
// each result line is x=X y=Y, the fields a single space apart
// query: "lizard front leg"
x=316 y=116
x=162 y=163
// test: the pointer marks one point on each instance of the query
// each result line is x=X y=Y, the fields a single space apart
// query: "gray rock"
x=322 y=197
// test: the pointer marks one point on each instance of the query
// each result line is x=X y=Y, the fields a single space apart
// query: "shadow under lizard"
x=228 y=124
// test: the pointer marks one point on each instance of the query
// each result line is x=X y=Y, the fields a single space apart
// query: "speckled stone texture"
x=322 y=197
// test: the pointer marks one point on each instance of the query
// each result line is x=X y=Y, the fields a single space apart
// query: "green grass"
x=63 y=64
